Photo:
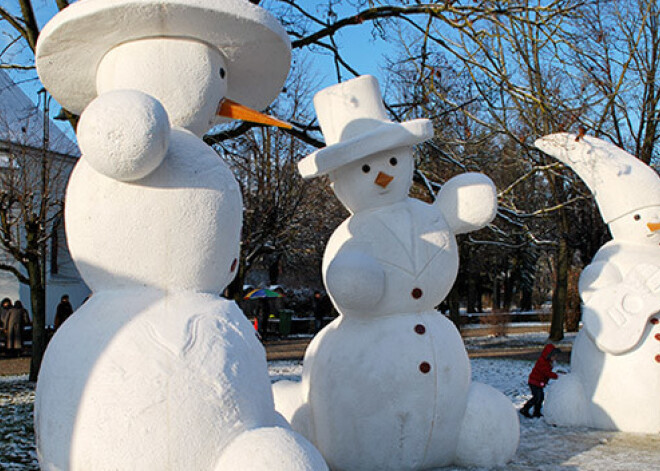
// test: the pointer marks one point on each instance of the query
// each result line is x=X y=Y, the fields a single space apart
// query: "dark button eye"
x=393 y=161
x=637 y=217
x=366 y=168
x=222 y=72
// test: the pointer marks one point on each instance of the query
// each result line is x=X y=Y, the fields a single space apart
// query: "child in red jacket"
x=538 y=378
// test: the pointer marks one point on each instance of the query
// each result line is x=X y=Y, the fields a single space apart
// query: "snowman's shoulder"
x=626 y=253
x=352 y=234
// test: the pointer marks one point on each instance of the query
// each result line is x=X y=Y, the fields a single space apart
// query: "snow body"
x=156 y=371
x=614 y=382
x=613 y=391
x=387 y=385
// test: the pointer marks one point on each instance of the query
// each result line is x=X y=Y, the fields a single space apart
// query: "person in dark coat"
x=538 y=379
x=5 y=306
x=17 y=318
x=64 y=310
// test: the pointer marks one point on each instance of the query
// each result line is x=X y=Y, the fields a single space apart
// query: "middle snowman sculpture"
x=387 y=385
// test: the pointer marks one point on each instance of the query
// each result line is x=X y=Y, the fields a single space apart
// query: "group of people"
x=13 y=319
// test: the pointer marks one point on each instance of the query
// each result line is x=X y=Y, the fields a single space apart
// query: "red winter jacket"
x=542 y=371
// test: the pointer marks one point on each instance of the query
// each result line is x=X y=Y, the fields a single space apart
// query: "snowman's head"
x=375 y=181
x=187 y=76
x=641 y=226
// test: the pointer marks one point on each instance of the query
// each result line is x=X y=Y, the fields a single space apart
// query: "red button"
x=416 y=293
x=420 y=329
x=657 y=336
x=424 y=367
x=657 y=358
x=654 y=321
x=233 y=265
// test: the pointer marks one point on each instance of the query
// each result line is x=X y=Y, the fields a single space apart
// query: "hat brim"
x=254 y=44
x=388 y=135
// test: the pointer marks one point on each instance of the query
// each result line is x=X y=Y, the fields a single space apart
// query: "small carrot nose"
x=653 y=226
x=383 y=179
x=231 y=109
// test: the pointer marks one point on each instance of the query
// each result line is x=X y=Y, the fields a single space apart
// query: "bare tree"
x=32 y=183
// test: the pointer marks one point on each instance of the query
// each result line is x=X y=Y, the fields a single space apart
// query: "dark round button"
x=654 y=321
x=233 y=264
x=425 y=367
x=657 y=336
x=420 y=329
x=416 y=293
x=657 y=359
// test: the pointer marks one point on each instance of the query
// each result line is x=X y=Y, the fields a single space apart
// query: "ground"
x=502 y=362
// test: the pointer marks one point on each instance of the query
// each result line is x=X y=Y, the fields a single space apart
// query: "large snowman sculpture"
x=386 y=386
x=615 y=364
x=155 y=371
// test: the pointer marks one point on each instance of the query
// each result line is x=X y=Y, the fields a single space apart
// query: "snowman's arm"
x=616 y=313
x=124 y=134
x=355 y=279
x=468 y=202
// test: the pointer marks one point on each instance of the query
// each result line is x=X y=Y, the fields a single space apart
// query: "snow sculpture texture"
x=156 y=371
x=614 y=382
x=386 y=386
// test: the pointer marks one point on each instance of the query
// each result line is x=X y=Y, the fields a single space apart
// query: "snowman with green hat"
x=156 y=371
x=615 y=363
x=387 y=385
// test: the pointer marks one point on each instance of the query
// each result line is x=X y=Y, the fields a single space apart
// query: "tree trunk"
x=472 y=294
x=507 y=298
x=38 y=301
x=453 y=299
x=497 y=295
x=560 y=294
x=526 y=299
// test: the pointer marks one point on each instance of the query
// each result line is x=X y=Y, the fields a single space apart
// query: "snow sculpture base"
x=605 y=391
x=167 y=388
x=366 y=402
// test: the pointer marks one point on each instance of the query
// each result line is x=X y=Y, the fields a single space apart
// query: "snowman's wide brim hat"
x=254 y=44
x=620 y=182
x=355 y=125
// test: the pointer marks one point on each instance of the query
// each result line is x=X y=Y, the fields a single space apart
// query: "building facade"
x=36 y=159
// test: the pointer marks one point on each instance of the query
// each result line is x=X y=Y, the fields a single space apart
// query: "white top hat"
x=355 y=125
x=255 y=46
x=620 y=182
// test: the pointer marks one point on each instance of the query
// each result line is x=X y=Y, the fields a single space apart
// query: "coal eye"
x=393 y=161
x=222 y=72
x=366 y=168
x=637 y=217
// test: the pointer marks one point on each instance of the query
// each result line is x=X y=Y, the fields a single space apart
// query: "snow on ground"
x=542 y=447
x=16 y=431
x=515 y=340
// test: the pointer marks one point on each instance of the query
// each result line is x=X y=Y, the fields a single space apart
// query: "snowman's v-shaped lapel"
x=398 y=249
x=431 y=237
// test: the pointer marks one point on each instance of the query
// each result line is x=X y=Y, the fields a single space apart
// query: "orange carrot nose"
x=653 y=226
x=383 y=179
x=231 y=109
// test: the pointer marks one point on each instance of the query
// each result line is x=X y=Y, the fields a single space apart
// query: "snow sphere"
x=111 y=131
x=488 y=413
x=565 y=402
x=271 y=448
